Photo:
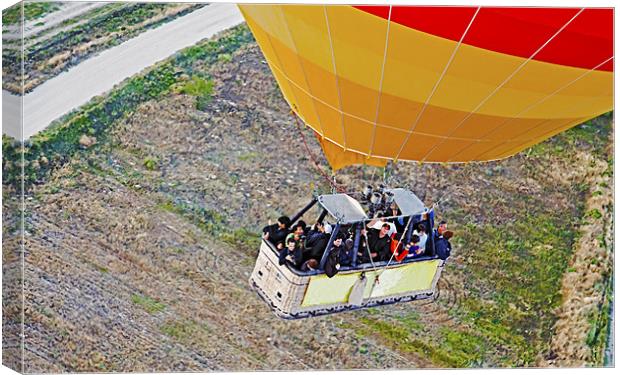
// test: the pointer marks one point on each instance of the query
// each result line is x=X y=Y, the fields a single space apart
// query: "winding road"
x=99 y=74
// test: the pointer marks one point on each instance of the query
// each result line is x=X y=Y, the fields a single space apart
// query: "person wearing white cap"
x=378 y=222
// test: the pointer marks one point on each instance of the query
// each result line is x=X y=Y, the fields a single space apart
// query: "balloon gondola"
x=293 y=294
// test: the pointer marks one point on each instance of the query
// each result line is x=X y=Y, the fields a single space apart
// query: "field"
x=142 y=219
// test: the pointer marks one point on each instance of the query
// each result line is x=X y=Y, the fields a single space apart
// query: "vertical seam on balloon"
x=443 y=73
x=304 y=72
x=387 y=38
x=464 y=120
x=331 y=46
x=525 y=110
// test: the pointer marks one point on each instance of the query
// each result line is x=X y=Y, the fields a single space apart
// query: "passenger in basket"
x=332 y=262
x=379 y=240
x=317 y=241
x=303 y=225
x=298 y=234
x=399 y=222
x=443 y=226
x=310 y=265
x=276 y=233
x=378 y=222
x=443 y=247
x=292 y=253
x=346 y=254
x=414 y=250
x=362 y=252
x=421 y=233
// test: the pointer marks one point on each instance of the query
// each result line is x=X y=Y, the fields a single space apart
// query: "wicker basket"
x=292 y=294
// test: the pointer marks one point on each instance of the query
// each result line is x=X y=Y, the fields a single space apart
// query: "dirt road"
x=99 y=74
x=37 y=25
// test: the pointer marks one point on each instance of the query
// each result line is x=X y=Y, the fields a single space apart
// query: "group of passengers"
x=381 y=240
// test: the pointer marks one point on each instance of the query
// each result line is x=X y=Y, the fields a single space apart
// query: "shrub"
x=150 y=163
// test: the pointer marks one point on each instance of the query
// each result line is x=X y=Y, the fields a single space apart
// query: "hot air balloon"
x=427 y=84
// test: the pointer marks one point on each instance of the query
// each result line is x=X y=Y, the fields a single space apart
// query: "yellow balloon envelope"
x=436 y=84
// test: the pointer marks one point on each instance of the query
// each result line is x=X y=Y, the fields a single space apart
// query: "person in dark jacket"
x=332 y=263
x=442 y=227
x=276 y=233
x=316 y=241
x=346 y=254
x=379 y=241
x=292 y=254
x=443 y=246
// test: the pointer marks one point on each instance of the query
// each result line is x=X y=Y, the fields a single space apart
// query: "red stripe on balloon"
x=584 y=43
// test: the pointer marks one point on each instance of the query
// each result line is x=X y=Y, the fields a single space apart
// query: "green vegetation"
x=594 y=213
x=179 y=330
x=241 y=237
x=54 y=146
x=248 y=156
x=201 y=88
x=32 y=11
x=198 y=86
x=599 y=324
x=150 y=163
x=224 y=57
x=213 y=223
x=513 y=276
x=147 y=303
x=400 y=338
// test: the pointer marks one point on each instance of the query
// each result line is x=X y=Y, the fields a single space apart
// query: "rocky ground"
x=140 y=246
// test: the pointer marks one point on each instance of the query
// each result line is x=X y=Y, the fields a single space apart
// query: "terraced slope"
x=142 y=229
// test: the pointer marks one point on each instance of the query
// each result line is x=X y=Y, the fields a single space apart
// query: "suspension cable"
x=329 y=180
x=395 y=250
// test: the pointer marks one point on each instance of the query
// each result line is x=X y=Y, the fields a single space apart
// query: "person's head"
x=393 y=206
x=284 y=222
x=421 y=228
x=349 y=243
x=448 y=234
x=298 y=229
x=339 y=239
x=319 y=226
x=379 y=214
x=302 y=223
x=443 y=226
x=312 y=264
x=290 y=244
x=415 y=239
x=385 y=228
